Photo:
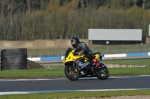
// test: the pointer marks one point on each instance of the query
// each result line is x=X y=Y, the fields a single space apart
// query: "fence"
x=39 y=48
x=104 y=49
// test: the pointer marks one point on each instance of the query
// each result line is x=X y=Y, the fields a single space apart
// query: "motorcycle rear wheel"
x=71 y=73
x=102 y=73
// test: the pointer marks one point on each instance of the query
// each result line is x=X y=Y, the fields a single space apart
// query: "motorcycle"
x=78 y=66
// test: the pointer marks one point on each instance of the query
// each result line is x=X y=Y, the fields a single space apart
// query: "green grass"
x=70 y=95
x=130 y=71
x=128 y=62
x=55 y=73
x=32 y=73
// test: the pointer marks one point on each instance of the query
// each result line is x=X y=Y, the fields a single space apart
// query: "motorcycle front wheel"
x=71 y=72
x=102 y=72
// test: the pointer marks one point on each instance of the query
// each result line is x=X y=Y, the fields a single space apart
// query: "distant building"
x=115 y=36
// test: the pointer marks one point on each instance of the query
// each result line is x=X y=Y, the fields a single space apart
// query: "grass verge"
x=55 y=73
x=129 y=62
x=71 y=95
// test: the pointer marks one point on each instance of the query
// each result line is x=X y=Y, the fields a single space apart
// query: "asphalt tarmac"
x=8 y=86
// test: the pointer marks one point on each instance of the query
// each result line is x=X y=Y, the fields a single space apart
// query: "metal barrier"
x=53 y=59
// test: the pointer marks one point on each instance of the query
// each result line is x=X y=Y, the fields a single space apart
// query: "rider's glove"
x=78 y=53
x=75 y=53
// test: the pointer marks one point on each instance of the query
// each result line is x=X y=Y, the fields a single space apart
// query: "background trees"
x=61 y=19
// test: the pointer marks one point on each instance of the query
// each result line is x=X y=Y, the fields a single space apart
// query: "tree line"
x=62 y=19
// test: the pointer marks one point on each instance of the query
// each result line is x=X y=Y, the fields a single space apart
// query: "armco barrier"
x=137 y=54
x=127 y=55
x=106 y=56
x=50 y=58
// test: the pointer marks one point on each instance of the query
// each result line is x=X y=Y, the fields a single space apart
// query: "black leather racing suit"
x=83 y=48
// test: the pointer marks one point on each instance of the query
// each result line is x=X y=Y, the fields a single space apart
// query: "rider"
x=81 y=47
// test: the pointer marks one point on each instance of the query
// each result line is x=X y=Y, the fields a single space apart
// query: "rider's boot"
x=95 y=62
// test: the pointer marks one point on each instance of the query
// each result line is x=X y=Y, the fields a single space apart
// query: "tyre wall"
x=14 y=59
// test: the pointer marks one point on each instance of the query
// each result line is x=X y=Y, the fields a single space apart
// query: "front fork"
x=74 y=68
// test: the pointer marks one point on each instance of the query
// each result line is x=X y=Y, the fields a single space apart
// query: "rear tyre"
x=102 y=72
x=71 y=73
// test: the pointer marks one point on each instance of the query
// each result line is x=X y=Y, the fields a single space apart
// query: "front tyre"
x=71 y=72
x=102 y=72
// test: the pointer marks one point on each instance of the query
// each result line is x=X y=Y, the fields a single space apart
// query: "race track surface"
x=63 y=84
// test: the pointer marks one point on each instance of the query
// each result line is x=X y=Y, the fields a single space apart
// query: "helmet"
x=75 y=41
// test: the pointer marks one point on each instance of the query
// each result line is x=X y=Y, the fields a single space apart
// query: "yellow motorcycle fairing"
x=72 y=57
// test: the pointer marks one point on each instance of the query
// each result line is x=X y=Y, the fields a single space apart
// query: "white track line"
x=51 y=91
